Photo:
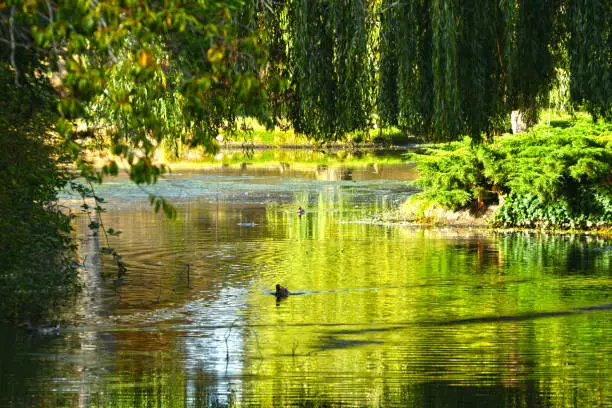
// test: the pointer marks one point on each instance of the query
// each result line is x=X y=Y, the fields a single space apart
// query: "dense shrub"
x=451 y=174
x=531 y=211
x=36 y=269
x=551 y=177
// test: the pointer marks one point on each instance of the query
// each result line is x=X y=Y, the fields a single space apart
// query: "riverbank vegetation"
x=257 y=137
x=144 y=75
x=294 y=158
x=37 y=272
x=556 y=176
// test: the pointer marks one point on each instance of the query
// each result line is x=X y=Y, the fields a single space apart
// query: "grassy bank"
x=257 y=135
x=294 y=158
x=244 y=146
x=261 y=147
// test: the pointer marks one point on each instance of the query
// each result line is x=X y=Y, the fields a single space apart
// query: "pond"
x=380 y=315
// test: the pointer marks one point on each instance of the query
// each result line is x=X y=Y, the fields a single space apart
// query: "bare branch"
x=41 y=15
x=17 y=44
x=12 y=35
x=51 y=22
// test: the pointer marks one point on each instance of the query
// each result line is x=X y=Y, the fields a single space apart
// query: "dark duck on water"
x=281 y=292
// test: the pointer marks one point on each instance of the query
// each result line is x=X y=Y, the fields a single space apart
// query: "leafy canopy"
x=140 y=73
x=178 y=72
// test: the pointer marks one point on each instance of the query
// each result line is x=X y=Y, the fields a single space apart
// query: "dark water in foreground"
x=385 y=315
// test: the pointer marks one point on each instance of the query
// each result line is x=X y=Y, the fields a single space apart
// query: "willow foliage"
x=442 y=68
x=269 y=20
x=590 y=54
x=439 y=68
x=447 y=108
x=530 y=56
x=331 y=66
x=405 y=95
x=388 y=88
x=460 y=66
x=481 y=71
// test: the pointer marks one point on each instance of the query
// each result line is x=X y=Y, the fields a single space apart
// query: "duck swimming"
x=300 y=211
x=281 y=292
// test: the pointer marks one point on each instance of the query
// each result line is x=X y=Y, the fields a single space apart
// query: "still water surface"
x=380 y=316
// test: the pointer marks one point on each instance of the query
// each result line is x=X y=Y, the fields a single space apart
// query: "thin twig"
x=42 y=16
x=188 y=284
x=98 y=213
x=12 y=35
x=227 y=335
x=18 y=44
x=99 y=224
x=51 y=23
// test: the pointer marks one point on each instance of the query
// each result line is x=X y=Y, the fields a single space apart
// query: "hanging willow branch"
x=440 y=68
x=353 y=64
x=388 y=86
x=416 y=74
x=481 y=86
x=315 y=80
x=447 y=109
x=332 y=66
x=590 y=55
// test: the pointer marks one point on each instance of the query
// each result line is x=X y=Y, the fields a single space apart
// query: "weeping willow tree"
x=405 y=92
x=269 y=20
x=441 y=68
x=533 y=38
x=590 y=55
x=456 y=67
x=331 y=66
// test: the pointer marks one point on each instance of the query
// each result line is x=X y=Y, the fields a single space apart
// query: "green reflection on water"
x=455 y=308
x=380 y=315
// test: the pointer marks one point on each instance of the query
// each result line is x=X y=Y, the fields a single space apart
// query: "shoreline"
x=605 y=233
x=437 y=217
x=237 y=154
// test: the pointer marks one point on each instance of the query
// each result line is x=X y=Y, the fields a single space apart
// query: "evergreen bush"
x=550 y=177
